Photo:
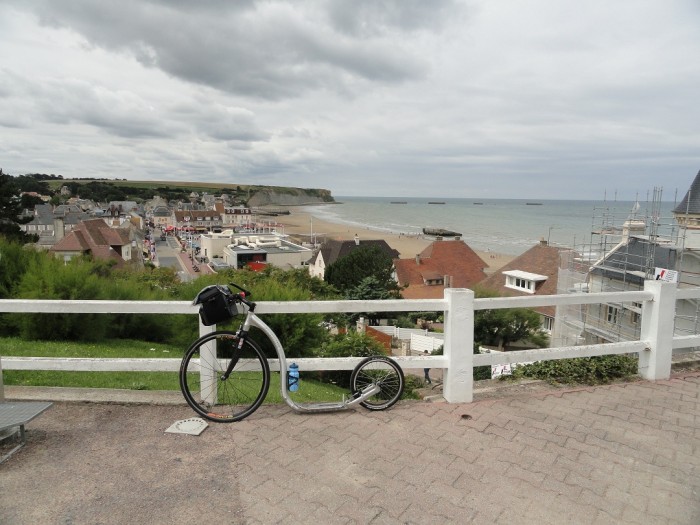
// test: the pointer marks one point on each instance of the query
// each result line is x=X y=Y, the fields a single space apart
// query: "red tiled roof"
x=454 y=259
x=94 y=236
x=73 y=242
x=540 y=259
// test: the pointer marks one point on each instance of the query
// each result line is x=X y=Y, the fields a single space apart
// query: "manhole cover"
x=193 y=426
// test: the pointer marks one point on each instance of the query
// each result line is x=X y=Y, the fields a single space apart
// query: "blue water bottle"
x=293 y=377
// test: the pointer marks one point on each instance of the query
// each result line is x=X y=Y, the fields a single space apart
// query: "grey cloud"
x=371 y=18
x=358 y=96
x=119 y=113
x=228 y=124
x=268 y=50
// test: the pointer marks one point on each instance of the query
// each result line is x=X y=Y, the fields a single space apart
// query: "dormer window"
x=432 y=278
x=523 y=281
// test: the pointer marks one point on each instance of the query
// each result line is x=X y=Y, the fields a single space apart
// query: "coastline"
x=299 y=225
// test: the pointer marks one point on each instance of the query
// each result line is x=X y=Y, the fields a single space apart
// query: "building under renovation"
x=627 y=246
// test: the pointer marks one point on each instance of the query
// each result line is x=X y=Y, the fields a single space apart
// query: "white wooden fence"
x=420 y=340
x=654 y=346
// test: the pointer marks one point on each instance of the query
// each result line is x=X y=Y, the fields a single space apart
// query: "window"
x=613 y=313
x=635 y=313
x=520 y=283
x=523 y=281
x=548 y=323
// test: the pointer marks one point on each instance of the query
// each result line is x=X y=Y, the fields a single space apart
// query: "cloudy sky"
x=537 y=99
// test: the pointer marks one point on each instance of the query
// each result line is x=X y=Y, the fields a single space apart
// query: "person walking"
x=426 y=371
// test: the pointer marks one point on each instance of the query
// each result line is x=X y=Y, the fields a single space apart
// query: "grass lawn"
x=310 y=391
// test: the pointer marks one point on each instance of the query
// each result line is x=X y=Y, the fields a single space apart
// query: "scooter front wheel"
x=384 y=372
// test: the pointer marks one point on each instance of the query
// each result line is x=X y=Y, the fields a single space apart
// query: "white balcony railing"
x=654 y=347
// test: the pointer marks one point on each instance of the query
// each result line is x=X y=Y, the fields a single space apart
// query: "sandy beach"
x=300 y=225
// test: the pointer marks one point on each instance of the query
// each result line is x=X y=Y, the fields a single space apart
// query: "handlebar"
x=243 y=295
x=246 y=293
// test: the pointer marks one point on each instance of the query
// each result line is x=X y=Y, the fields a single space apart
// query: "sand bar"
x=300 y=225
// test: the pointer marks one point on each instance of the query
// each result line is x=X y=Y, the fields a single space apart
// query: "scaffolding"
x=625 y=247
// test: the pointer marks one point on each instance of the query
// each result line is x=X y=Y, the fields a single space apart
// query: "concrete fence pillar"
x=458 y=378
x=657 y=330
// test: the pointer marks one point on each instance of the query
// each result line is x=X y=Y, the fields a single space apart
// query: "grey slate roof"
x=691 y=201
x=630 y=257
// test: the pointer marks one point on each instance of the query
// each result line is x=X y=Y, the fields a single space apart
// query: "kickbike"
x=225 y=376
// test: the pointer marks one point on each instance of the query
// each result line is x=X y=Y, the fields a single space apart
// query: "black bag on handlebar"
x=217 y=304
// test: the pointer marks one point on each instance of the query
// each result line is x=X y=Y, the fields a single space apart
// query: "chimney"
x=633 y=227
x=357 y=240
x=418 y=259
x=543 y=242
x=59 y=228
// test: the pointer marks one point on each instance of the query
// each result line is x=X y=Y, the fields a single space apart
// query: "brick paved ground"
x=614 y=454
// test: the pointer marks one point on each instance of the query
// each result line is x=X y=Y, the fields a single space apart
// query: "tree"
x=506 y=326
x=300 y=334
x=369 y=289
x=502 y=327
x=10 y=210
x=33 y=183
x=348 y=272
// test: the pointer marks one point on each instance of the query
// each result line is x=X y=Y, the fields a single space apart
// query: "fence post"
x=207 y=374
x=458 y=378
x=2 y=386
x=657 y=330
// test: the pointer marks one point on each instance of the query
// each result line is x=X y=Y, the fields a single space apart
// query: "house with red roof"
x=96 y=238
x=532 y=273
x=443 y=264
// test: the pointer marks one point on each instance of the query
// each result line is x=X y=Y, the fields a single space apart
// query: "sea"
x=509 y=226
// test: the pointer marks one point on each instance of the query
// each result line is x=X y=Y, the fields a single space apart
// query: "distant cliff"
x=288 y=197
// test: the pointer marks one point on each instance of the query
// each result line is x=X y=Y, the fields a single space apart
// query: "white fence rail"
x=654 y=346
x=425 y=343
x=419 y=340
x=405 y=333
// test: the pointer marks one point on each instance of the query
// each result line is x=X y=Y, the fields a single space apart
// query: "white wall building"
x=237 y=250
x=268 y=249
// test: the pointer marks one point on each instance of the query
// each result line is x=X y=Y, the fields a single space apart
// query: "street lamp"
x=549 y=233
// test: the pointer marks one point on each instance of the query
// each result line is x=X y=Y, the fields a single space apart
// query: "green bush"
x=351 y=344
x=412 y=384
x=581 y=370
x=300 y=334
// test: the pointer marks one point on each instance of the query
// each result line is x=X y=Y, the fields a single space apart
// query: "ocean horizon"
x=510 y=226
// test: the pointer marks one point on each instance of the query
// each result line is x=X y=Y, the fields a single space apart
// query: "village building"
x=256 y=251
x=96 y=238
x=535 y=272
x=331 y=251
x=443 y=264
x=50 y=223
x=162 y=217
x=643 y=248
x=200 y=221
x=234 y=217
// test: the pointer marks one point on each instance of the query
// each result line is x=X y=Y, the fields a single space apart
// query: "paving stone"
x=611 y=454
